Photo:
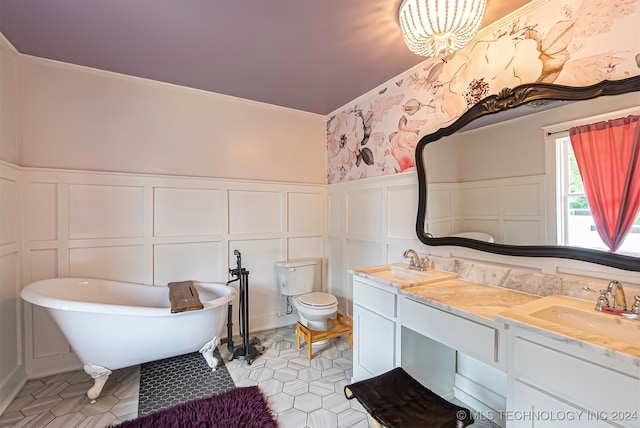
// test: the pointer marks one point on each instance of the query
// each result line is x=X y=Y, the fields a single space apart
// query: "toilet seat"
x=317 y=300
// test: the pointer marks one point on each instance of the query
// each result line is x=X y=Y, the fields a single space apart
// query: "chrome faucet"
x=613 y=301
x=416 y=261
x=635 y=308
x=616 y=296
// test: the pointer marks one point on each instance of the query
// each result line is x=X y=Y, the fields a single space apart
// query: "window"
x=575 y=224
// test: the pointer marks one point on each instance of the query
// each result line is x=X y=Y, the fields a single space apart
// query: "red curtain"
x=608 y=157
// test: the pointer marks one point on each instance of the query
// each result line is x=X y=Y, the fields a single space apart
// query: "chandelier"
x=439 y=27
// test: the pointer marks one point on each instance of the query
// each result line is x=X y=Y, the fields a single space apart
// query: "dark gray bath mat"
x=175 y=380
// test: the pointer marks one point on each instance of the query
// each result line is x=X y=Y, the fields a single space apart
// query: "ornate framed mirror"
x=506 y=100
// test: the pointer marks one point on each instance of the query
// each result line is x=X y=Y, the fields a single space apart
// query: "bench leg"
x=373 y=422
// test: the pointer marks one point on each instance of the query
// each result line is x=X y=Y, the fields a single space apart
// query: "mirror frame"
x=505 y=100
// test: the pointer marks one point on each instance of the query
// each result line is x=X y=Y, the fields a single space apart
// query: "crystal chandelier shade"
x=439 y=27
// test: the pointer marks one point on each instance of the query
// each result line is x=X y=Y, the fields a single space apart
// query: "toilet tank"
x=297 y=277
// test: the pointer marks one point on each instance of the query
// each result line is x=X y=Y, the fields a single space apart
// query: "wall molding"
x=11 y=340
x=153 y=229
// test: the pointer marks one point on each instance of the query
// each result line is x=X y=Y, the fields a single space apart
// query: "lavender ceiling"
x=310 y=55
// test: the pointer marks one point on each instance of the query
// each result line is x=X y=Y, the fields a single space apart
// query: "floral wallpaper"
x=570 y=42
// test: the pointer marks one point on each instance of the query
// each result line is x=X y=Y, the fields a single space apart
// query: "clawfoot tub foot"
x=100 y=375
x=207 y=352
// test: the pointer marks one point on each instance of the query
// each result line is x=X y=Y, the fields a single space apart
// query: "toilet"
x=297 y=280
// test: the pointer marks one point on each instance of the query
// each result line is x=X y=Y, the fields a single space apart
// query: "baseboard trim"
x=11 y=387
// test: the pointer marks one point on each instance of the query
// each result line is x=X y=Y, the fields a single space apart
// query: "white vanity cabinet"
x=479 y=377
x=522 y=367
x=483 y=341
x=375 y=328
x=558 y=383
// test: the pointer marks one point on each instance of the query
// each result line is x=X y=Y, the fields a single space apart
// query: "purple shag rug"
x=244 y=407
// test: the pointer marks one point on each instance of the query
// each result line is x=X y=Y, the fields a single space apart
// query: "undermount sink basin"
x=401 y=274
x=404 y=273
x=605 y=325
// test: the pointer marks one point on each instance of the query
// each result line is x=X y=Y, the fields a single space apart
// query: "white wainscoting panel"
x=9 y=304
x=198 y=261
x=403 y=206
x=257 y=212
x=306 y=213
x=304 y=247
x=336 y=271
x=442 y=228
x=365 y=253
x=12 y=373
x=43 y=219
x=44 y=264
x=156 y=229
x=259 y=258
x=365 y=215
x=523 y=199
x=337 y=212
x=523 y=232
x=512 y=210
x=373 y=244
x=439 y=202
x=8 y=227
x=105 y=211
x=371 y=222
x=443 y=209
x=491 y=226
x=118 y=263
x=188 y=212
x=480 y=200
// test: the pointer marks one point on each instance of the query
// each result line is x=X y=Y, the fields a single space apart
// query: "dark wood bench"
x=396 y=400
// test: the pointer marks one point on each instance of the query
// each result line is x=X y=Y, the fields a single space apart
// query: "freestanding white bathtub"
x=112 y=324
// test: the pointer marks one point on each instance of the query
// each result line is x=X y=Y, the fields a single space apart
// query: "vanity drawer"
x=474 y=339
x=577 y=380
x=374 y=298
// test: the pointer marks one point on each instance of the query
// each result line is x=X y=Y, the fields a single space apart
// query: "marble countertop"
x=469 y=299
x=612 y=335
x=607 y=333
x=381 y=275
